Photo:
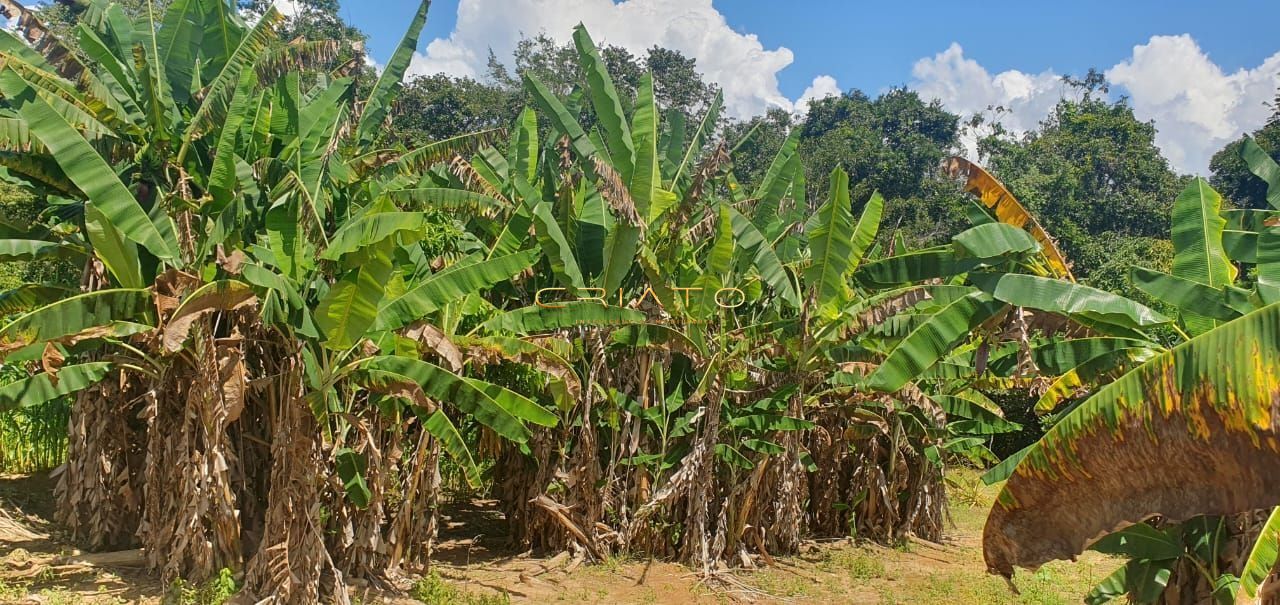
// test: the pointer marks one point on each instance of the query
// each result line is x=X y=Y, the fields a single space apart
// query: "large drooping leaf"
x=516 y=404
x=1262 y=557
x=76 y=314
x=537 y=319
x=1202 y=411
x=370 y=229
x=446 y=387
x=913 y=267
x=753 y=243
x=1188 y=296
x=992 y=240
x=972 y=419
x=30 y=249
x=213 y=297
x=1089 y=374
x=179 y=41
x=1007 y=209
x=1198 y=254
x=932 y=340
x=1061 y=296
x=561 y=119
x=440 y=427
x=350 y=308
x=1269 y=265
x=422 y=158
x=556 y=248
x=607 y=104
x=42 y=388
x=351 y=467
x=85 y=167
x=1140 y=581
x=1265 y=168
x=378 y=105
x=450 y=286
x=29 y=296
x=646 y=177
x=831 y=243
x=1059 y=356
x=776 y=181
x=1141 y=541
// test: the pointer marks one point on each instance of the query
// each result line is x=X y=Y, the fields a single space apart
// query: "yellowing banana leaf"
x=1007 y=209
x=1202 y=412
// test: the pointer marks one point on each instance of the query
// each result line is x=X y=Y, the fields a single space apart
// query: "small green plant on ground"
x=857 y=565
x=434 y=590
x=217 y=591
x=10 y=591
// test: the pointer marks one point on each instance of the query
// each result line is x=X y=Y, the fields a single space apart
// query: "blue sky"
x=1200 y=70
x=873 y=45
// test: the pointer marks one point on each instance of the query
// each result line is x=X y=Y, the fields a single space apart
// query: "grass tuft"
x=434 y=590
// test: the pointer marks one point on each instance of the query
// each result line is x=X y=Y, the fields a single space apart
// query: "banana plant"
x=1147 y=407
x=238 y=216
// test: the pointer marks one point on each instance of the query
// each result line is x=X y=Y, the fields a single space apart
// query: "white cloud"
x=822 y=87
x=738 y=62
x=370 y=62
x=288 y=8
x=966 y=87
x=1196 y=107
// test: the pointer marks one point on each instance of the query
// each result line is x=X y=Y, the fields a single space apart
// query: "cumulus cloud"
x=967 y=88
x=822 y=87
x=288 y=8
x=1196 y=107
x=737 y=62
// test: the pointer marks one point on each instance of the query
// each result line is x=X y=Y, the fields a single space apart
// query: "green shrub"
x=217 y=591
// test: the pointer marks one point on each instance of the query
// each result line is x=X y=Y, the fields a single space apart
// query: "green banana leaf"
x=41 y=388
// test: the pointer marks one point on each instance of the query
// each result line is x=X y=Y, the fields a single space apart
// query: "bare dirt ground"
x=36 y=567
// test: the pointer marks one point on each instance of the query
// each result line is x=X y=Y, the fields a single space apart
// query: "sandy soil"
x=477 y=570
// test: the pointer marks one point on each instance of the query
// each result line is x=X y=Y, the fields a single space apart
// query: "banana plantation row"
x=287 y=337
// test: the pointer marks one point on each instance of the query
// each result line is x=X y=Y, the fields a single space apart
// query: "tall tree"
x=1091 y=170
x=434 y=108
x=1230 y=174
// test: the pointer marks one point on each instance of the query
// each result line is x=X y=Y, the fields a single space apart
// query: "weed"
x=11 y=591
x=217 y=591
x=966 y=489
x=612 y=563
x=433 y=590
x=784 y=584
x=859 y=565
x=59 y=596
